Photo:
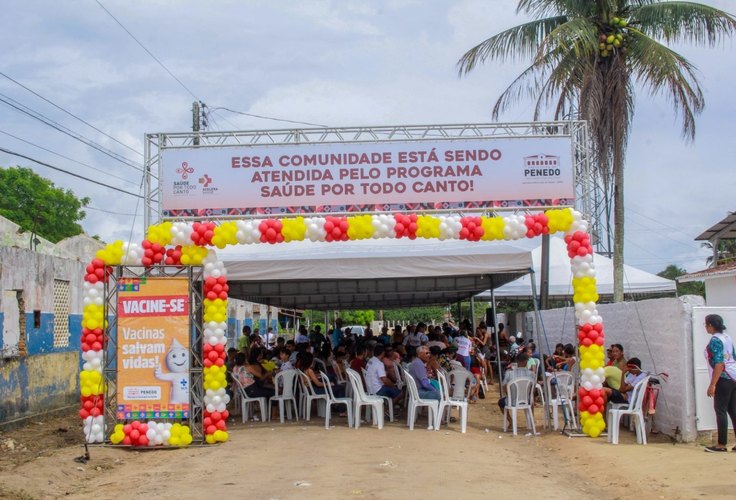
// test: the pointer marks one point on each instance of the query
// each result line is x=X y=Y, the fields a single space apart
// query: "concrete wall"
x=657 y=331
x=37 y=374
x=721 y=292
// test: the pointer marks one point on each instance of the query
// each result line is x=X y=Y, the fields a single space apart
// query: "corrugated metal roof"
x=724 y=230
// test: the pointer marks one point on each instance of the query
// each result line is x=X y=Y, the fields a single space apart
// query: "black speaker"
x=489 y=317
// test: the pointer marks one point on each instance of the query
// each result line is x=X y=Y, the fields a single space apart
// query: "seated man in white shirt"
x=377 y=380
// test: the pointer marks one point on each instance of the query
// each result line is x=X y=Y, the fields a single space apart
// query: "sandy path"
x=303 y=460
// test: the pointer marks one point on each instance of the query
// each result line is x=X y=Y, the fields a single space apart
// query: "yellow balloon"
x=492 y=227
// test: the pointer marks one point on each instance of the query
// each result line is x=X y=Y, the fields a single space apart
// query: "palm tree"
x=588 y=55
x=726 y=252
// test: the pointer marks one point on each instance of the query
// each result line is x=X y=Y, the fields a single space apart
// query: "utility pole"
x=199 y=119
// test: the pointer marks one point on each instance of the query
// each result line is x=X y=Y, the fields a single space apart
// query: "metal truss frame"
x=587 y=186
x=109 y=354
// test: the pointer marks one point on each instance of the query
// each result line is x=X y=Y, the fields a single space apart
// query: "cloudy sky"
x=330 y=62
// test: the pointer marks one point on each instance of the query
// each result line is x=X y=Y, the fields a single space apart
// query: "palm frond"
x=660 y=69
x=578 y=35
x=544 y=8
x=683 y=22
x=517 y=42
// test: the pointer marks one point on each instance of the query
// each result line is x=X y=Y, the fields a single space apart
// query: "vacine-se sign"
x=367 y=177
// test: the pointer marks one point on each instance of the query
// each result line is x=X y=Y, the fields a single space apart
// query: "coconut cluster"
x=613 y=38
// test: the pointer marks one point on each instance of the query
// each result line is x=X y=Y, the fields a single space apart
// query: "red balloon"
x=136 y=424
x=210 y=429
x=587 y=401
x=127 y=441
x=225 y=414
x=135 y=434
x=207 y=422
x=143 y=440
x=221 y=425
x=127 y=428
x=83 y=413
x=593 y=408
x=216 y=416
x=98 y=262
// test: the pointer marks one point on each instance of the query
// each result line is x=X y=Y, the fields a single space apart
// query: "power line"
x=108 y=211
x=70 y=114
x=148 y=51
x=67 y=158
x=268 y=117
x=64 y=130
x=13 y=153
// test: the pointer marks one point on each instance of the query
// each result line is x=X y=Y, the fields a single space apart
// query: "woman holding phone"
x=720 y=356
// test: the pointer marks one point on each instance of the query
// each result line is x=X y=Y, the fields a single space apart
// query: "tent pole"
x=498 y=341
x=472 y=315
x=540 y=330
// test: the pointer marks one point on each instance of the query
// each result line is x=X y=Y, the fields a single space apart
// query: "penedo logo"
x=207 y=187
x=544 y=166
x=185 y=170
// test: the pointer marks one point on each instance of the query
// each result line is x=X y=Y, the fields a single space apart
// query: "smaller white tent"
x=636 y=281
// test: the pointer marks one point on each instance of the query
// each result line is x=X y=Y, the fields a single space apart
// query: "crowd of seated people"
x=420 y=349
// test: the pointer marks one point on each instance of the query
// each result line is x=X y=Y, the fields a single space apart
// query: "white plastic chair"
x=456 y=364
x=369 y=390
x=360 y=398
x=447 y=403
x=634 y=409
x=338 y=374
x=319 y=365
x=335 y=401
x=415 y=402
x=285 y=384
x=560 y=395
x=400 y=383
x=519 y=397
x=310 y=395
x=246 y=401
x=459 y=378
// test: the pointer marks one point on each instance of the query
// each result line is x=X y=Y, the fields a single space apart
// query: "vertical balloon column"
x=187 y=247
x=591 y=398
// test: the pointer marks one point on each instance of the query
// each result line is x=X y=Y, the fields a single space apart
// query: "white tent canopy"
x=636 y=281
x=382 y=273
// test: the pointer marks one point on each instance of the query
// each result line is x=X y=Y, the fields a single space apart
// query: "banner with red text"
x=153 y=348
x=367 y=177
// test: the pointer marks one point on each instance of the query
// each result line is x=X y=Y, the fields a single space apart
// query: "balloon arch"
x=189 y=244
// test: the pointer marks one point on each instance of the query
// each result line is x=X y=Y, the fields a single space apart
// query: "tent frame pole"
x=472 y=316
x=542 y=339
x=498 y=340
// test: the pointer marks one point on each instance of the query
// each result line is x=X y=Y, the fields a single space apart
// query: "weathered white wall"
x=721 y=292
x=657 y=331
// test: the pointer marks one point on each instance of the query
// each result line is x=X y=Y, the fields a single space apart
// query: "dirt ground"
x=303 y=460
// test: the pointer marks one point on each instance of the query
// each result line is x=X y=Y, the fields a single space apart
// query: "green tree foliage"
x=588 y=56
x=691 y=288
x=357 y=317
x=36 y=205
x=416 y=314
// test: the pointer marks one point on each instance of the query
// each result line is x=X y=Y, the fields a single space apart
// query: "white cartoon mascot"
x=177 y=361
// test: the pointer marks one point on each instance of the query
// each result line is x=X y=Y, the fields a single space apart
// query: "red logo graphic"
x=205 y=181
x=185 y=170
